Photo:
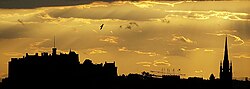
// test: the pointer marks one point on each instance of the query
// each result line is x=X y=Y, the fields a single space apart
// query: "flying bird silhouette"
x=101 y=26
x=20 y=21
x=130 y=25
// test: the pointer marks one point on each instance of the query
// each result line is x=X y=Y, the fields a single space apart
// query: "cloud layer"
x=43 y=3
x=19 y=4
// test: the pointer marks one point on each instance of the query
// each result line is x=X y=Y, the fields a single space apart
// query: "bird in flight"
x=101 y=26
x=20 y=21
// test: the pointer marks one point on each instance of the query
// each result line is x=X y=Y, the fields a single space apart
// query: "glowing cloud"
x=13 y=54
x=123 y=49
x=148 y=4
x=195 y=49
x=97 y=51
x=110 y=39
x=155 y=63
x=146 y=53
x=144 y=63
x=241 y=56
x=37 y=46
x=237 y=39
x=151 y=54
x=155 y=38
x=161 y=63
x=226 y=31
x=203 y=15
x=181 y=38
x=198 y=71
x=208 y=50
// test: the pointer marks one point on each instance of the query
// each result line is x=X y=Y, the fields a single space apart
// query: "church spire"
x=226 y=61
x=226 y=51
x=226 y=69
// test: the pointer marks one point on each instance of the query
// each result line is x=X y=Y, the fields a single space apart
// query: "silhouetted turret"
x=212 y=77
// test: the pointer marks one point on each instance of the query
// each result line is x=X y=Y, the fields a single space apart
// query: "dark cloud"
x=242 y=29
x=14 y=32
x=124 y=12
x=129 y=26
x=27 y=4
x=165 y=20
x=176 y=52
x=19 y=4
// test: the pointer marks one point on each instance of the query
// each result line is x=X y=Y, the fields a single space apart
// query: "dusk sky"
x=138 y=36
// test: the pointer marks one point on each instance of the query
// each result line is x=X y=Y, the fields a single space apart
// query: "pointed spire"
x=226 y=50
x=226 y=70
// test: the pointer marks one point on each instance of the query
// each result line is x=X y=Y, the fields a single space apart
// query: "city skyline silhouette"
x=65 y=70
x=120 y=43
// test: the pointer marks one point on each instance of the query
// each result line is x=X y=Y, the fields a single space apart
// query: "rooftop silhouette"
x=66 y=71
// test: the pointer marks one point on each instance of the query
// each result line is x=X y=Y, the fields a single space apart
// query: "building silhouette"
x=64 y=70
x=58 y=70
x=226 y=67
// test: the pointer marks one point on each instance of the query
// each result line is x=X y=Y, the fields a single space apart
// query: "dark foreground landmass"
x=56 y=71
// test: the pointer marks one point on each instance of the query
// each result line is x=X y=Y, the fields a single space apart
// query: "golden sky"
x=138 y=36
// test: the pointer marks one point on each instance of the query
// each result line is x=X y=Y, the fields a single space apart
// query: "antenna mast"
x=54 y=41
x=54 y=48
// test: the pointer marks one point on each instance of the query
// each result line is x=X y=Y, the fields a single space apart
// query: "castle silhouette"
x=65 y=71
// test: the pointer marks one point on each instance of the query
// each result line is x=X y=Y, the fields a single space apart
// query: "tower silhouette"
x=54 y=48
x=226 y=68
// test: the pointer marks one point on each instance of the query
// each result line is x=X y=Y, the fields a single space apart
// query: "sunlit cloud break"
x=181 y=38
x=198 y=71
x=161 y=63
x=144 y=63
x=151 y=54
x=155 y=63
x=203 y=15
x=241 y=56
x=237 y=39
x=15 y=54
x=37 y=46
x=148 y=4
x=97 y=51
x=123 y=49
x=110 y=39
x=208 y=50
x=195 y=49
x=146 y=53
